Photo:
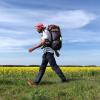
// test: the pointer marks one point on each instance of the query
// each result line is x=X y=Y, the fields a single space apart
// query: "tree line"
x=49 y=66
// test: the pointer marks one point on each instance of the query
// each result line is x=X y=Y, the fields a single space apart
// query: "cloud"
x=27 y=18
x=11 y=31
x=72 y=19
x=15 y=45
x=81 y=36
x=67 y=19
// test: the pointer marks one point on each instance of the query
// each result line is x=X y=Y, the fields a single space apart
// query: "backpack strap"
x=51 y=38
x=48 y=42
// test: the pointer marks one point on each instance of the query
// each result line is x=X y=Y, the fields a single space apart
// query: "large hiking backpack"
x=56 y=38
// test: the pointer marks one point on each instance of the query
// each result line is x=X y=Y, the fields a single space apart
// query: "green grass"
x=82 y=86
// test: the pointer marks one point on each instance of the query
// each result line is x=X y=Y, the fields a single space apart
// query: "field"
x=84 y=84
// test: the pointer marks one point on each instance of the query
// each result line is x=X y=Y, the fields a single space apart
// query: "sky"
x=79 y=21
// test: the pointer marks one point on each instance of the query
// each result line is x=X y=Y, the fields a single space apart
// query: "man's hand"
x=31 y=49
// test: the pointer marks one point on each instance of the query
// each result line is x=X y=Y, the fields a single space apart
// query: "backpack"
x=56 y=38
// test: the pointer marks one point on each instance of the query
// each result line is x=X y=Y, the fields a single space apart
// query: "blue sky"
x=79 y=21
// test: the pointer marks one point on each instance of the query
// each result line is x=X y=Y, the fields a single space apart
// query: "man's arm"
x=41 y=43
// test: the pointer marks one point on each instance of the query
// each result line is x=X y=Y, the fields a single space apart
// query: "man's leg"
x=55 y=67
x=42 y=69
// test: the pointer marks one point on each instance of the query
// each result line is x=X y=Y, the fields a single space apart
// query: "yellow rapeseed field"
x=48 y=69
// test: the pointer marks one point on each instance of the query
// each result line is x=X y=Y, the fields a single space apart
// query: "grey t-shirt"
x=46 y=35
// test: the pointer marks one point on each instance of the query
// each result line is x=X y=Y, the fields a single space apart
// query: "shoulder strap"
x=51 y=38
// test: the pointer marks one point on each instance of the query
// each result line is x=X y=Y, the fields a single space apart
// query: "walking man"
x=48 y=55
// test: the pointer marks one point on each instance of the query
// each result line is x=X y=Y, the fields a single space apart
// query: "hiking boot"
x=31 y=83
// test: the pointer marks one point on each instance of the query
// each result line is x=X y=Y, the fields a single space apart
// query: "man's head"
x=40 y=27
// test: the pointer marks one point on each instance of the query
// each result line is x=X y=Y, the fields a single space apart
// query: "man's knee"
x=54 y=67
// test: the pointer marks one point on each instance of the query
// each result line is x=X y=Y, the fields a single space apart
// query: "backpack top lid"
x=53 y=28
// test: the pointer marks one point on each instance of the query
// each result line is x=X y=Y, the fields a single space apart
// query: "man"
x=48 y=55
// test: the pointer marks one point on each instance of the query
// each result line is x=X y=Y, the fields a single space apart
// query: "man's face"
x=39 y=30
